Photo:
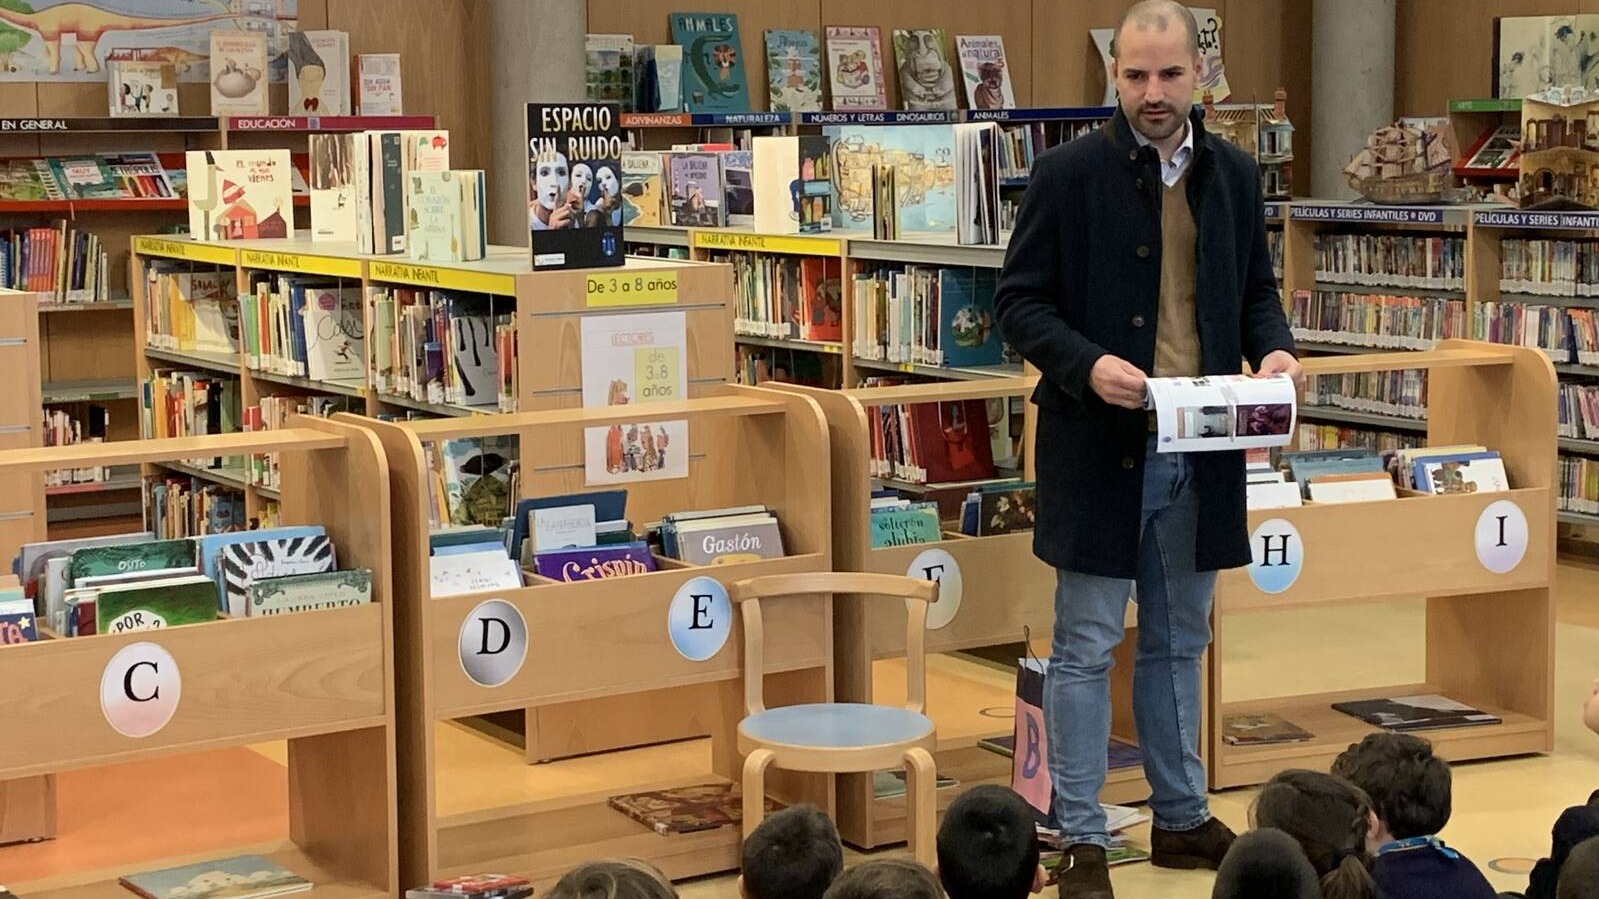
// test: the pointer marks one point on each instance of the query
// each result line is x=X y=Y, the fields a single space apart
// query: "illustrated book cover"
x=595 y=562
x=738 y=187
x=151 y=605
x=333 y=185
x=608 y=69
x=926 y=80
x=129 y=557
x=575 y=184
x=242 y=564
x=641 y=188
x=239 y=877
x=239 y=73
x=685 y=809
x=445 y=216
x=793 y=71
x=378 y=81
x=319 y=73
x=855 y=68
x=142 y=87
x=240 y=194
x=694 y=185
x=983 y=70
x=309 y=592
x=1411 y=713
x=715 y=72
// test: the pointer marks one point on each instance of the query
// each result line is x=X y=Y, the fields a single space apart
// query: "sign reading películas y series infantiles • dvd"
x=574 y=176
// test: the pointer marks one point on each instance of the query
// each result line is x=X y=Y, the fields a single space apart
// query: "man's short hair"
x=1157 y=14
x=1408 y=785
x=988 y=845
x=888 y=878
x=794 y=854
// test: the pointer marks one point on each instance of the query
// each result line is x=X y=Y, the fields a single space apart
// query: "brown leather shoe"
x=1203 y=847
x=1084 y=874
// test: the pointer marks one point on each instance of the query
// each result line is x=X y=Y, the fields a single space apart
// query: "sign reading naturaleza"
x=574 y=173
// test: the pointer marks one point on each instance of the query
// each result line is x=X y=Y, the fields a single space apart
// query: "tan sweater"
x=1176 y=328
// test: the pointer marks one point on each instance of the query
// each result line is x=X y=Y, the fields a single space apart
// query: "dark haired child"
x=1266 y=864
x=988 y=846
x=1579 y=877
x=1410 y=791
x=1330 y=818
x=889 y=878
x=793 y=854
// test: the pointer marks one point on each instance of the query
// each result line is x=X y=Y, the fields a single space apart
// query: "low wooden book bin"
x=840 y=737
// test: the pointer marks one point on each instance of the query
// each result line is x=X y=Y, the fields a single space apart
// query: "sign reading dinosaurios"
x=72 y=40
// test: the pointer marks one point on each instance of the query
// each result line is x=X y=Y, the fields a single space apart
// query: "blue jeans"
x=1174 y=604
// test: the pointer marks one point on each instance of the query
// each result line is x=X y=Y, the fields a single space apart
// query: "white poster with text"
x=628 y=360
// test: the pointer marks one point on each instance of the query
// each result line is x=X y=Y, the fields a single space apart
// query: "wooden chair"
x=841 y=737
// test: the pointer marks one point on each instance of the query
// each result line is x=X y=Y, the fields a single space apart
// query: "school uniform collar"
x=1410 y=843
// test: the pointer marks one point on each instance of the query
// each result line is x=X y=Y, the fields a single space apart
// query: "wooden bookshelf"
x=605 y=640
x=320 y=680
x=1008 y=592
x=1422 y=546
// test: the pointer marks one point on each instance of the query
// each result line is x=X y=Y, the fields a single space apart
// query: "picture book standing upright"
x=378 y=77
x=714 y=69
x=333 y=186
x=608 y=69
x=855 y=68
x=239 y=194
x=694 y=185
x=794 y=71
x=926 y=80
x=238 y=73
x=319 y=73
x=575 y=184
x=142 y=88
x=793 y=184
x=641 y=188
x=984 y=71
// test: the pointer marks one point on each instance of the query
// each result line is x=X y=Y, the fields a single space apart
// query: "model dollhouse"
x=1560 y=150
x=1265 y=133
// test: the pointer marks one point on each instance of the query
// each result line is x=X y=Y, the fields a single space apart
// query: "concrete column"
x=1352 y=85
x=535 y=55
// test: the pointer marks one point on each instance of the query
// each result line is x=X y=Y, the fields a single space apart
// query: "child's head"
x=1590 y=709
x=1330 y=818
x=889 y=878
x=988 y=846
x=794 y=854
x=1266 y=864
x=1579 y=876
x=1409 y=787
x=617 y=879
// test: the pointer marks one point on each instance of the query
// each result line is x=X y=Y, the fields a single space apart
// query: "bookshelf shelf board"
x=90 y=391
x=121 y=304
x=444 y=409
x=1447 y=293
x=1341 y=348
x=123 y=452
x=327 y=885
x=1576 y=368
x=34 y=126
x=216 y=362
x=1364 y=419
x=928 y=249
x=264 y=492
x=109 y=486
x=1538 y=299
x=1275 y=211
x=1334 y=732
x=1579 y=445
x=189 y=250
x=664 y=235
x=1583 y=518
x=223 y=477
x=976 y=373
x=355 y=389
x=329 y=123
x=792 y=343
x=263 y=255
x=133 y=204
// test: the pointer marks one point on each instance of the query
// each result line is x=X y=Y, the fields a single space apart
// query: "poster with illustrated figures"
x=72 y=40
x=627 y=360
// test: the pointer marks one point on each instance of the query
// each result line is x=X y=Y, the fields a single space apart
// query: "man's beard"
x=1159 y=130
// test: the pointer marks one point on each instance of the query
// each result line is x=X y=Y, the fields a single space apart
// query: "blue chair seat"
x=842 y=725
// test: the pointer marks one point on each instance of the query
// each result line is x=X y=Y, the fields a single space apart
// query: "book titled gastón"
x=574 y=163
x=239 y=877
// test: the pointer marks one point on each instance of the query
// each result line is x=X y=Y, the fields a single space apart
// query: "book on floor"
x=239 y=877
x=474 y=886
x=685 y=809
x=1428 y=711
x=891 y=783
x=1261 y=730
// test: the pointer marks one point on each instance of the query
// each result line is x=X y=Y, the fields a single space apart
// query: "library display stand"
x=319 y=680
x=1486 y=584
x=602 y=640
x=1001 y=592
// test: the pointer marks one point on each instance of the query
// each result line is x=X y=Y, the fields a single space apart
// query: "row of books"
x=272 y=412
x=361 y=185
x=1560 y=268
x=102 y=176
x=978 y=214
x=786 y=297
x=1325 y=436
x=303 y=326
x=1370 y=320
x=1401 y=393
x=1579 y=410
x=69 y=264
x=759 y=364
x=176 y=403
x=931 y=443
x=439 y=347
x=1433 y=262
x=1020 y=145
x=103 y=584
x=63 y=428
x=1566 y=334
x=1578 y=487
x=188 y=309
x=927 y=315
x=1362 y=474
x=178 y=506
x=1004 y=506
x=1400 y=714
x=780 y=185
x=1274 y=246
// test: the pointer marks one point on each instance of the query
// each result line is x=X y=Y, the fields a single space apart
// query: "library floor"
x=1503 y=809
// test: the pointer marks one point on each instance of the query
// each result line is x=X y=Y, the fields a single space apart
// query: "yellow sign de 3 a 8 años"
x=655 y=289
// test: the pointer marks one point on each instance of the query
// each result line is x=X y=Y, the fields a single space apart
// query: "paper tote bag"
x=1029 y=773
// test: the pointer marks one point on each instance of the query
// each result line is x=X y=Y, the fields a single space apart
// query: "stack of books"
x=722 y=536
x=927 y=315
x=60 y=260
x=439 y=347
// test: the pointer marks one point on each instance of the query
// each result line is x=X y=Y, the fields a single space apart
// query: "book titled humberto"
x=574 y=160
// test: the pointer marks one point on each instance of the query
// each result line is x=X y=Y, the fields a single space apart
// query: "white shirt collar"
x=1171 y=171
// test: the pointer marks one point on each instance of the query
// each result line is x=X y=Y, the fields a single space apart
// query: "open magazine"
x=1222 y=412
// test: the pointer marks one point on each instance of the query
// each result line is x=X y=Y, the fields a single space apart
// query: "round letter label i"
x=939 y=566
x=493 y=643
x=700 y=619
x=1501 y=536
x=140 y=689
x=1276 y=555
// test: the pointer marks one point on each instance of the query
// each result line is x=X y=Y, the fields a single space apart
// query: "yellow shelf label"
x=448 y=278
x=184 y=249
x=332 y=266
x=832 y=348
x=769 y=243
x=631 y=289
x=907 y=367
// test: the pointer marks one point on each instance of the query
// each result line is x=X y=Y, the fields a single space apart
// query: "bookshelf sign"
x=183 y=249
x=493 y=643
x=296 y=262
x=700 y=619
x=1518 y=218
x=140 y=690
x=1397 y=215
x=887 y=117
x=609 y=291
x=940 y=567
x=1501 y=536
x=448 y=278
x=1277 y=555
x=768 y=243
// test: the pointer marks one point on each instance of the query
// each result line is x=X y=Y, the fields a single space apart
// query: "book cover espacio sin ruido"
x=574 y=160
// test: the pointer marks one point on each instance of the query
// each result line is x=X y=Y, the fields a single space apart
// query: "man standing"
x=1139 y=250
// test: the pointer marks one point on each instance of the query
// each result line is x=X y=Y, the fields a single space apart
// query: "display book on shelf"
x=1483 y=560
x=236 y=681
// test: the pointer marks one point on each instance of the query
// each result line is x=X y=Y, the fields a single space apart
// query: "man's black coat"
x=1082 y=279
